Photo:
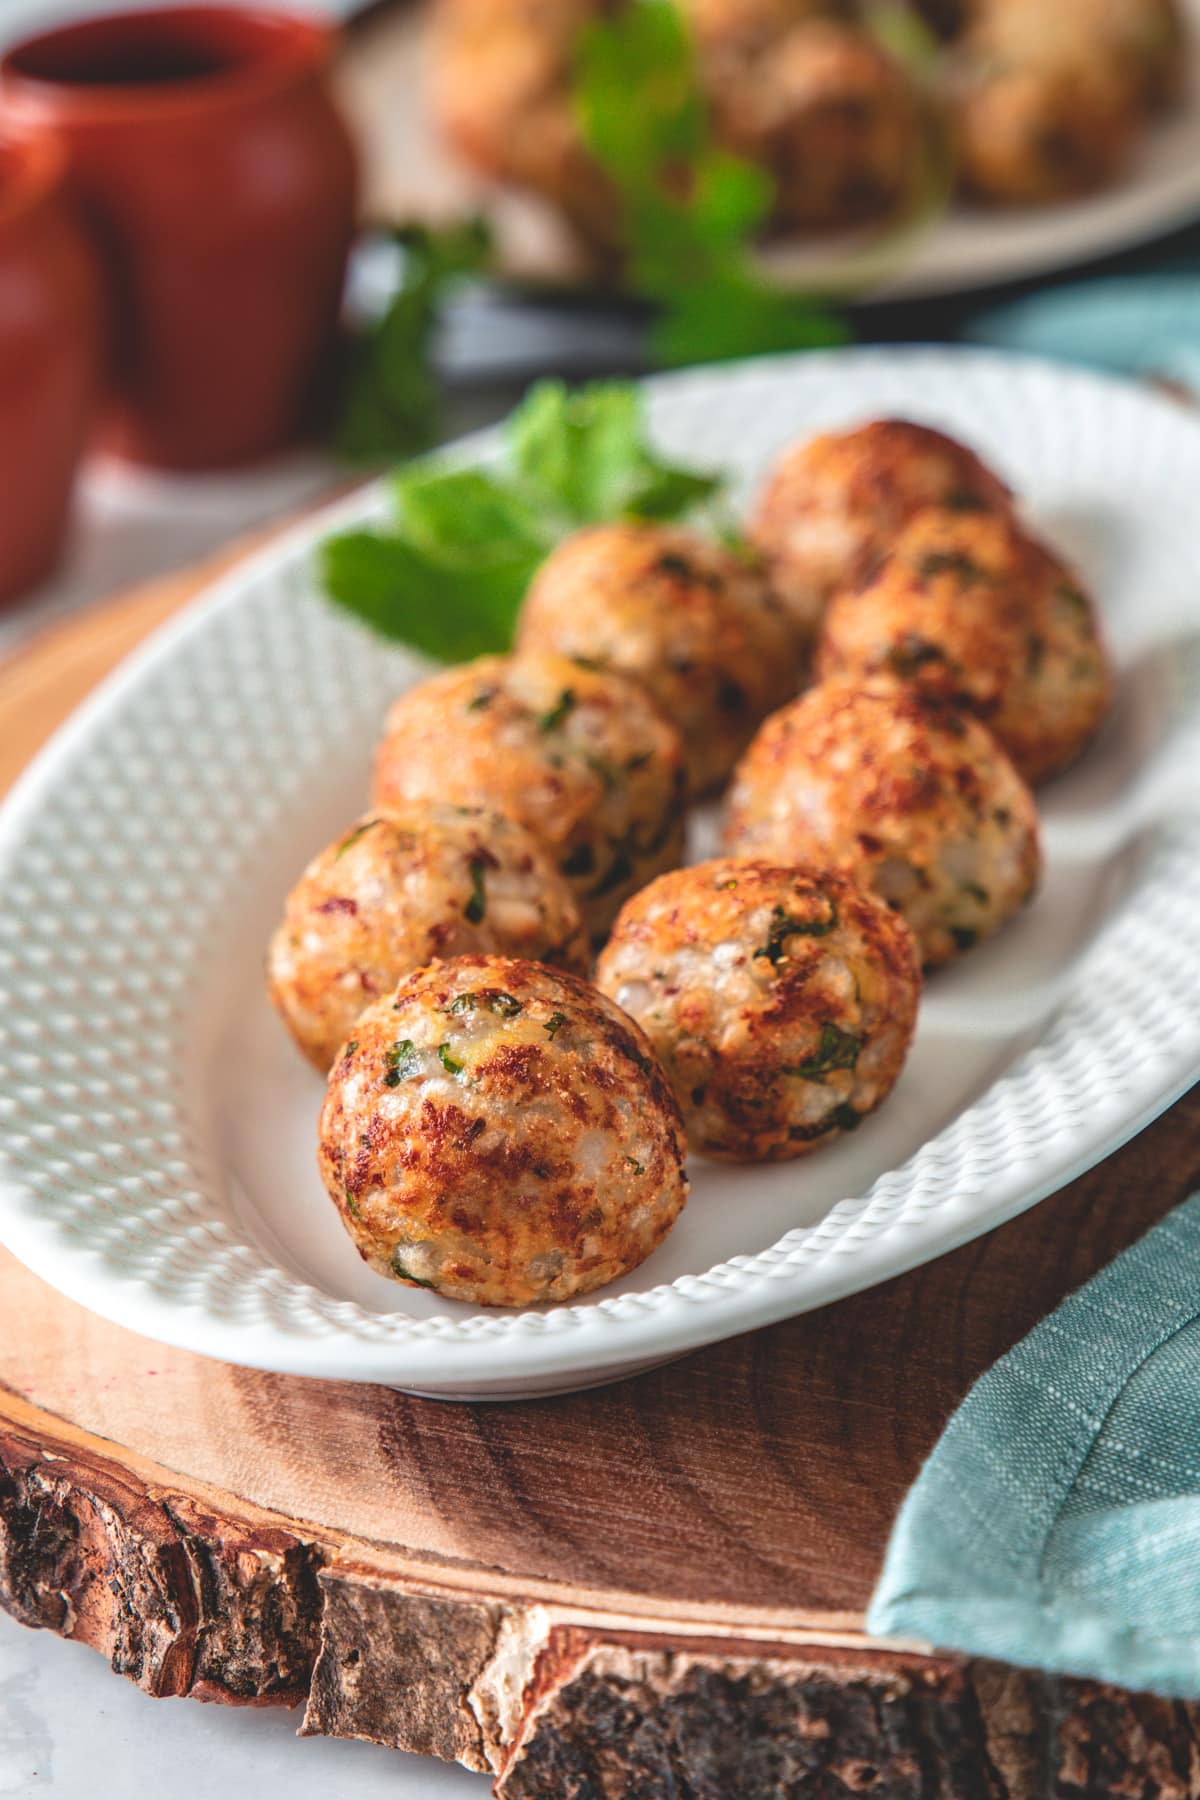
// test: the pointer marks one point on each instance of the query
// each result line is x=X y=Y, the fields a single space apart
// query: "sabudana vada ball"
x=500 y=1132
x=913 y=798
x=1139 y=44
x=781 y=1001
x=967 y=607
x=831 y=506
x=580 y=757
x=694 y=623
x=1030 y=133
x=829 y=114
x=401 y=888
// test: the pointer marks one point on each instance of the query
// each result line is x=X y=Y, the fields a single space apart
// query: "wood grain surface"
x=651 y=1589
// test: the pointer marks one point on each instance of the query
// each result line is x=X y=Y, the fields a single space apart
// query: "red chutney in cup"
x=50 y=337
x=220 y=184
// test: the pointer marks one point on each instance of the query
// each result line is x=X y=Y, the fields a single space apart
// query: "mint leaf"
x=691 y=209
x=665 y=493
x=728 y=316
x=468 y=515
x=582 y=453
x=576 y=450
x=448 y=573
x=638 y=95
x=390 y=402
x=405 y=594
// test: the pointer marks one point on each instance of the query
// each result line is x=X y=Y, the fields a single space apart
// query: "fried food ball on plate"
x=498 y=1131
x=401 y=888
x=832 y=505
x=912 y=797
x=734 y=27
x=830 y=114
x=1147 y=37
x=501 y=93
x=970 y=609
x=690 y=620
x=580 y=757
x=818 y=101
x=1140 y=43
x=781 y=1001
x=1038 y=113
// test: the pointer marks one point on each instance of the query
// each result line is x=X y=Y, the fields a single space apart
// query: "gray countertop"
x=71 y=1729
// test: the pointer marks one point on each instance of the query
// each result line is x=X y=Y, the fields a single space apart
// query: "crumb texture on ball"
x=400 y=888
x=501 y=1133
x=690 y=620
x=971 y=609
x=781 y=1001
x=1030 y=132
x=1049 y=101
x=831 y=506
x=823 y=106
x=581 y=757
x=913 y=798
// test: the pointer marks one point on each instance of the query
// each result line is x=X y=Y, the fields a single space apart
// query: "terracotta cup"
x=220 y=183
x=50 y=354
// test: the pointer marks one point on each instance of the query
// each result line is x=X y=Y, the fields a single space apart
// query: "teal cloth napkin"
x=1145 y=324
x=1057 y=1522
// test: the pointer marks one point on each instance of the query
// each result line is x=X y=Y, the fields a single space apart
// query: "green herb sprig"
x=691 y=210
x=390 y=403
x=448 y=574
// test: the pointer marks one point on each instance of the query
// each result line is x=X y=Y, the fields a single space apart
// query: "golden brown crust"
x=581 y=758
x=399 y=889
x=828 y=112
x=1047 y=101
x=782 y=1001
x=1147 y=39
x=970 y=609
x=501 y=77
x=693 y=623
x=1030 y=133
x=912 y=798
x=1136 y=46
x=831 y=506
x=502 y=1133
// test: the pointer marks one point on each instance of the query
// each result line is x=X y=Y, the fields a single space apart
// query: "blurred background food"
x=831 y=98
x=574 y=187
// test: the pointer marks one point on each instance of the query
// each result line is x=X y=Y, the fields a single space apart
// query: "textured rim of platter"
x=123 y=847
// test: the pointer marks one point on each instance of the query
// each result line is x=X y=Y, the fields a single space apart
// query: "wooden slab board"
x=653 y=1590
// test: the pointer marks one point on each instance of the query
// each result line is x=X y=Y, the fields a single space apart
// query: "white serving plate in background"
x=978 y=246
x=414 y=174
x=157 y=1129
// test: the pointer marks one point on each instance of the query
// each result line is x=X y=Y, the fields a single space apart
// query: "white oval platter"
x=157 y=1129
